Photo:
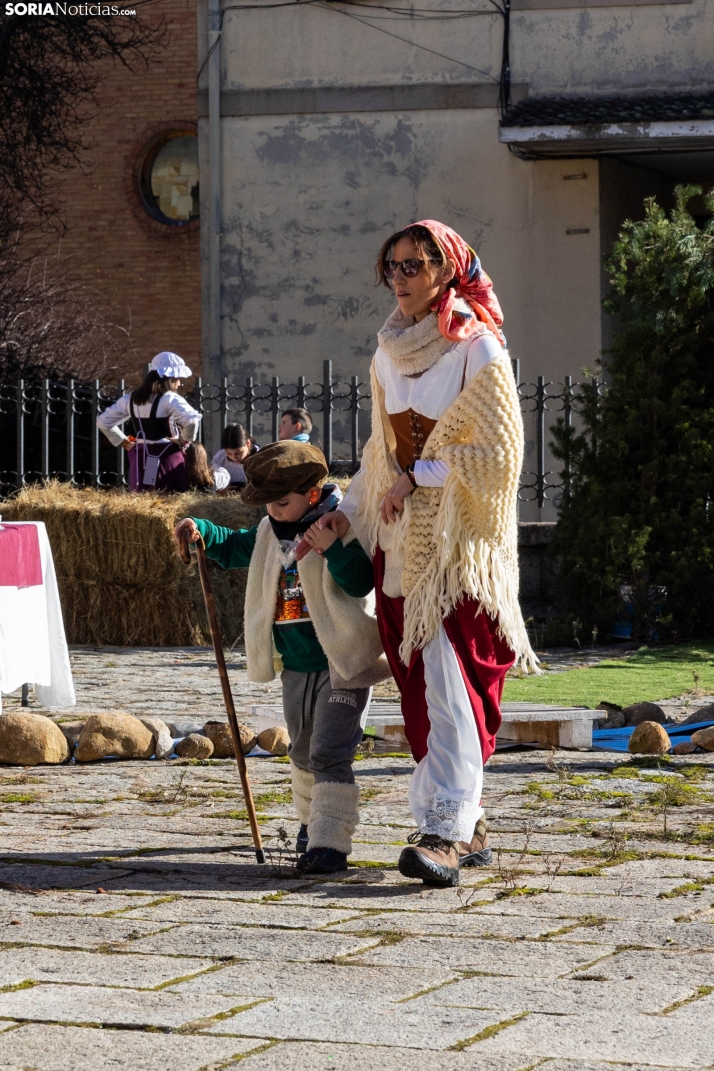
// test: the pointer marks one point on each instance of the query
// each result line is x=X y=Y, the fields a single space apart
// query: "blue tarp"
x=618 y=739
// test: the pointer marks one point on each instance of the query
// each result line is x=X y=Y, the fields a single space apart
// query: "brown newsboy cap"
x=280 y=468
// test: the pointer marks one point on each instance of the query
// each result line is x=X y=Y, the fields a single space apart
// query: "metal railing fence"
x=48 y=428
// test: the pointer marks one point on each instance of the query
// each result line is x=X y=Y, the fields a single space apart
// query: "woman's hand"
x=335 y=522
x=393 y=501
x=128 y=444
x=187 y=525
x=319 y=538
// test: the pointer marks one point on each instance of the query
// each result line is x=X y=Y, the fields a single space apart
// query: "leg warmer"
x=303 y=787
x=333 y=815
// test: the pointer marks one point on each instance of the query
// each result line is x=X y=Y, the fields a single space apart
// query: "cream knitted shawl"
x=460 y=539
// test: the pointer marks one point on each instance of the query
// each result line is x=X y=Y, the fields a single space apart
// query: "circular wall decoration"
x=169 y=179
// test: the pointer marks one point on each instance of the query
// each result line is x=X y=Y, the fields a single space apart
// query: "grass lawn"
x=660 y=673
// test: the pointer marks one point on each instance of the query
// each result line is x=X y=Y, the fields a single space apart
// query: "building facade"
x=533 y=130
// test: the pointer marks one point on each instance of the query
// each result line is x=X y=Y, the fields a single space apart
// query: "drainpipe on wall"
x=215 y=369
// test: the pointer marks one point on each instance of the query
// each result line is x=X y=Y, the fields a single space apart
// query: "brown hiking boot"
x=433 y=859
x=477 y=852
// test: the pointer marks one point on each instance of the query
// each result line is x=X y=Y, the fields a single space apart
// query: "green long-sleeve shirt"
x=296 y=642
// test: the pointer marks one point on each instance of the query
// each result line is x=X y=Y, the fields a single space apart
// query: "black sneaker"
x=321 y=861
x=301 y=840
x=433 y=859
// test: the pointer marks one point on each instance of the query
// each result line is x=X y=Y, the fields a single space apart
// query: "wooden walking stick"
x=184 y=544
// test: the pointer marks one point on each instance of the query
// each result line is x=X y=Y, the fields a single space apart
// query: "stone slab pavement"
x=137 y=932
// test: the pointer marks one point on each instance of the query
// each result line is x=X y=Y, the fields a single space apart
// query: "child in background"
x=315 y=613
x=295 y=424
x=201 y=477
x=236 y=446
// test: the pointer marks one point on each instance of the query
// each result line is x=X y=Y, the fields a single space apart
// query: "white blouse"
x=431 y=393
x=233 y=468
x=221 y=478
x=171 y=405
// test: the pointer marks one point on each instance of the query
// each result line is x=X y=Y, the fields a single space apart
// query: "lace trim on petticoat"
x=450 y=819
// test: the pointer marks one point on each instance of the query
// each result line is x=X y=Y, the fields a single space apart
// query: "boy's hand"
x=319 y=538
x=187 y=525
x=335 y=522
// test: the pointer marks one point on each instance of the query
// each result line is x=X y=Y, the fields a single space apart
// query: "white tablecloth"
x=33 y=648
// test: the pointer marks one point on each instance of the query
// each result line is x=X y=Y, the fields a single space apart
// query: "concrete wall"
x=310 y=199
x=556 y=49
x=616 y=48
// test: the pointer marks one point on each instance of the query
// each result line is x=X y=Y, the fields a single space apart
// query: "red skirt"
x=483 y=657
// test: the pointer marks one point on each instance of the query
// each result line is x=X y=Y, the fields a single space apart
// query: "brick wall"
x=145 y=273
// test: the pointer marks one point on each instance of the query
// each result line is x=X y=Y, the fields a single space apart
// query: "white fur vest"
x=345 y=626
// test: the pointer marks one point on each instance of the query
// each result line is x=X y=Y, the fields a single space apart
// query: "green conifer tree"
x=639 y=503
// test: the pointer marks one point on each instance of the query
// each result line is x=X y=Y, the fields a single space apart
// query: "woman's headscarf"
x=473 y=285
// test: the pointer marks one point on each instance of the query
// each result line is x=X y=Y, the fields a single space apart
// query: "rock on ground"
x=649 y=738
x=684 y=747
x=178 y=731
x=639 y=712
x=164 y=744
x=700 y=714
x=194 y=746
x=219 y=733
x=275 y=740
x=30 y=739
x=114 y=733
x=704 y=738
x=615 y=718
x=155 y=726
x=163 y=741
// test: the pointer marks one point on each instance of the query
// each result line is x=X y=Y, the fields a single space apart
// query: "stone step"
x=525 y=723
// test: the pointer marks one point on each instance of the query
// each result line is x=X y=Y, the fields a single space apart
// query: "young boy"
x=295 y=424
x=315 y=613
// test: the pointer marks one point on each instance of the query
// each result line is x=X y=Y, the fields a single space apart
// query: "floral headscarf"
x=473 y=285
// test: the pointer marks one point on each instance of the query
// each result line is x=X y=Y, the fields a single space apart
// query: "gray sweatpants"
x=324 y=724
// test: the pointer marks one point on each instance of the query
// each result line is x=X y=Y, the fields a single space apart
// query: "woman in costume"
x=435 y=502
x=162 y=423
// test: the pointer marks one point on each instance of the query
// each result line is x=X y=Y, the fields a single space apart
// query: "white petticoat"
x=445 y=791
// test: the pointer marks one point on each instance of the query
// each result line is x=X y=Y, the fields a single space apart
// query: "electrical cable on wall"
x=412 y=15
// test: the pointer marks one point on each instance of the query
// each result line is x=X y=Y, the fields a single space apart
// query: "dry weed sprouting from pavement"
x=552 y=865
x=671 y=793
x=508 y=874
x=615 y=843
x=284 y=856
x=177 y=790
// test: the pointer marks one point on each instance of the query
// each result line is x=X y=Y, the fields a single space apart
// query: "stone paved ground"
x=138 y=933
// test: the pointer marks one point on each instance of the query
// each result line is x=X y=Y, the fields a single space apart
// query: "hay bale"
x=120 y=578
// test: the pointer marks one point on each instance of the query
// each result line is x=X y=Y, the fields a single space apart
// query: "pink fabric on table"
x=20 y=565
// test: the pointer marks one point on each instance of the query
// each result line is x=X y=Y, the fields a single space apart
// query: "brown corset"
x=411 y=431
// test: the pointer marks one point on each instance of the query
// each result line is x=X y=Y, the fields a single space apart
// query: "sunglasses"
x=409 y=268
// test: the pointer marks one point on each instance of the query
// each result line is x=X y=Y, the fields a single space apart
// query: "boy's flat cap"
x=280 y=468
